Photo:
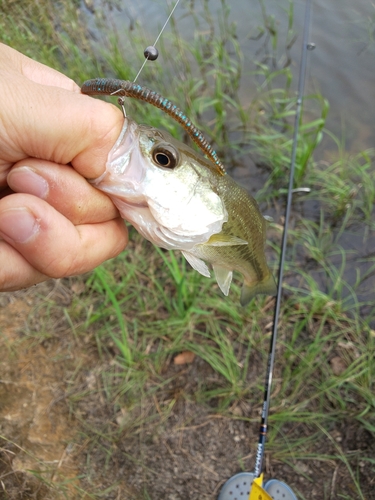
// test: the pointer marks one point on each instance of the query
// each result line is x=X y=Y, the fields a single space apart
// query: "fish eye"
x=165 y=155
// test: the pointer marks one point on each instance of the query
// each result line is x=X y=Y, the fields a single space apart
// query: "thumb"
x=55 y=124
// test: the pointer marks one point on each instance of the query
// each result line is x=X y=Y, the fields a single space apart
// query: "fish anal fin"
x=266 y=287
x=223 y=277
x=197 y=264
x=223 y=240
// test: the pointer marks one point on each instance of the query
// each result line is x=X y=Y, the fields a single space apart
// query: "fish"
x=177 y=199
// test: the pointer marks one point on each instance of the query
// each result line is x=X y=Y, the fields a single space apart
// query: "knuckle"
x=61 y=266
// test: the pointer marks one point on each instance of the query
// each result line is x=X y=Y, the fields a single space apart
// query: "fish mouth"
x=137 y=205
x=126 y=128
x=119 y=156
x=123 y=174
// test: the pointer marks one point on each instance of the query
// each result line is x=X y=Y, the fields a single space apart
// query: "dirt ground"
x=35 y=426
x=45 y=453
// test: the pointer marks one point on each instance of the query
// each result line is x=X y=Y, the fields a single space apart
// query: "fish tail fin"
x=266 y=286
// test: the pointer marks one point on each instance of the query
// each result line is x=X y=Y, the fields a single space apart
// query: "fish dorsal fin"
x=223 y=277
x=223 y=240
x=197 y=264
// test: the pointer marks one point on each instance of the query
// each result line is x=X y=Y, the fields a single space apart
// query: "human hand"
x=53 y=223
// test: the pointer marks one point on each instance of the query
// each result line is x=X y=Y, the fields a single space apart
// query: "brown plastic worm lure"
x=111 y=86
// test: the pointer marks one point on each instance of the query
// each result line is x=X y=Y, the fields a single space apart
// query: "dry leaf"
x=184 y=358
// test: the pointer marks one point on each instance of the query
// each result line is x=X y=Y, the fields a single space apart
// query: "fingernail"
x=26 y=180
x=18 y=225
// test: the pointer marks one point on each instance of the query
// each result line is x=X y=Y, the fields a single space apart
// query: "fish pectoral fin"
x=223 y=240
x=197 y=264
x=223 y=277
x=268 y=218
x=266 y=286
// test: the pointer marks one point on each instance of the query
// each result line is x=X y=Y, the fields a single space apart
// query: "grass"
x=135 y=313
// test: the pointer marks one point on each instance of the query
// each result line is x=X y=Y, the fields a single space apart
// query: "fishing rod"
x=241 y=483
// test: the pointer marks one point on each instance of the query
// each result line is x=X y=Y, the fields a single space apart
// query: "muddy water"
x=341 y=68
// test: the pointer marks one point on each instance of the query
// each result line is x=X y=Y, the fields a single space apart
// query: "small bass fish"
x=177 y=200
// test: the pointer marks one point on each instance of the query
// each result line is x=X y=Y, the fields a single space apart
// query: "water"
x=341 y=67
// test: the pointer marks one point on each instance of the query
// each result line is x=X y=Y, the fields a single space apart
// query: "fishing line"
x=150 y=56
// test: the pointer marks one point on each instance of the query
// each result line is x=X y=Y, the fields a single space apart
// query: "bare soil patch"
x=61 y=438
